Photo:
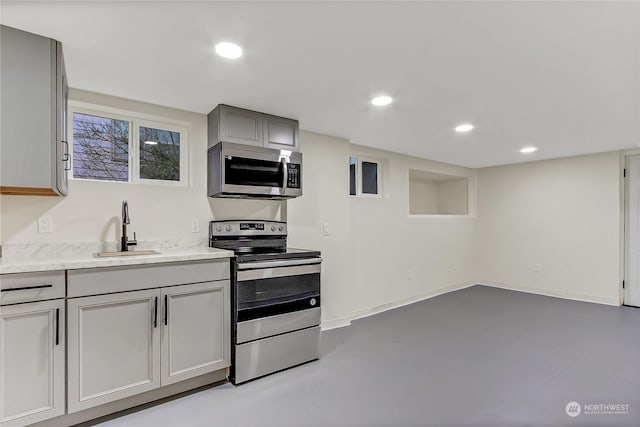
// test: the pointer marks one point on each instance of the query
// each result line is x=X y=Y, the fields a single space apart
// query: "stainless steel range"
x=275 y=298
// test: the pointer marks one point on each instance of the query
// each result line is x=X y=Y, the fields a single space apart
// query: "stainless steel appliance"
x=245 y=171
x=275 y=298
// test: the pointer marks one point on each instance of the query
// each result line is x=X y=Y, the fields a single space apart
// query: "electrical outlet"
x=325 y=229
x=195 y=225
x=537 y=268
x=45 y=224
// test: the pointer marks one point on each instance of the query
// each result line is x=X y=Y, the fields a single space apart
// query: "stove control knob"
x=219 y=228
x=280 y=228
x=228 y=228
x=312 y=301
x=273 y=228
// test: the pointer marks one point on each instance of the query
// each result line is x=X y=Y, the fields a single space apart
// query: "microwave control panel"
x=293 y=175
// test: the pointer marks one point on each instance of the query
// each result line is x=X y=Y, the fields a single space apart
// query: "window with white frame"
x=365 y=177
x=123 y=148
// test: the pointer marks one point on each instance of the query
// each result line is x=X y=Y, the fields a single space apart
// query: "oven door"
x=271 y=288
x=260 y=172
x=276 y=297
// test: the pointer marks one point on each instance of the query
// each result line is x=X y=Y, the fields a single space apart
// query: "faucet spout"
x=125 y=212
x=124 y=240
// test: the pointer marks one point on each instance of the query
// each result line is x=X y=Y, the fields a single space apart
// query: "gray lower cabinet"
x=114 y=347
x=127 y=343
x=195 y=332
x=32 y=362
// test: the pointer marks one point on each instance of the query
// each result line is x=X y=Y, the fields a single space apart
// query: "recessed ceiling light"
x=382 y=100
x=527 y=150
x=229 y=50
x=463 y=128
x=151 y=142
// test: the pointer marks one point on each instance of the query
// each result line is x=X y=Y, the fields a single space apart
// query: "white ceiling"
x=563 y=76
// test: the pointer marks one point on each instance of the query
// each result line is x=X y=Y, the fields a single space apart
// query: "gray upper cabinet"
x=280 y=133
x=231 y=124
x=33 y=130
x=240 y=126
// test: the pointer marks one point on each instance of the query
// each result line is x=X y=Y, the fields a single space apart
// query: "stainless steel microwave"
x=245 y=171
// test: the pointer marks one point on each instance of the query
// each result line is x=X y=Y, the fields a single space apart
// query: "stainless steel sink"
x=128 y=253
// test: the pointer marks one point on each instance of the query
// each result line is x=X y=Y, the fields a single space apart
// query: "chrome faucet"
x=124 y=241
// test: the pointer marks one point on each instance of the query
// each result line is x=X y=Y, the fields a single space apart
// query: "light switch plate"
x=325 y=229
x=195 y=225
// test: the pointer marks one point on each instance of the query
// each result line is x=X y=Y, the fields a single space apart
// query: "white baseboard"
x=370 y=311
x=346 y=321
x=359 y=314
x=552 y=293
x=335 y=323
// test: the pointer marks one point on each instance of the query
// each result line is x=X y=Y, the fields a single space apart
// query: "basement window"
x=100 y=148
x=122 y=148
x=364 y=177
x=433 y=193
x=159 y=154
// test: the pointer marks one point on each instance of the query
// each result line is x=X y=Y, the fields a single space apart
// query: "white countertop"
x=88 y=260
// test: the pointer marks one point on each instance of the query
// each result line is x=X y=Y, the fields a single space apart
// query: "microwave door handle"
x=284 y=175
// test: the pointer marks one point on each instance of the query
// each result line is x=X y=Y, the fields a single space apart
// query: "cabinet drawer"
x=27 y=287
x=95 y=281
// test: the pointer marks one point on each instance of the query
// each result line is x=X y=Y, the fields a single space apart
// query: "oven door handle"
x=285 y=174
x=280 y=263
x=272 y=273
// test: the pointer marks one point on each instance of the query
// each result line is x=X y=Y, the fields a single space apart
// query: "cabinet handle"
x=65 y=155
x=57 y=326
x=155 y=313
x=26 y=288
x=166 y=311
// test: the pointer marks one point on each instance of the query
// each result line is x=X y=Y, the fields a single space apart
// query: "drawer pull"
x=26 y=288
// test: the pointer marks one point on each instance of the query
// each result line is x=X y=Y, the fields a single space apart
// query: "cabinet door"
x=280 y=133
x=32 y=354
x=240 y=126
x=114 y=347
x=195 y=336
x=27 y=130
x=62 y=161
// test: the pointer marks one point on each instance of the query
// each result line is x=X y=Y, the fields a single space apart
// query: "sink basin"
x=128 y=253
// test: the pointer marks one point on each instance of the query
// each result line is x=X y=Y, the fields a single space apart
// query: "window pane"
x=352 y=175
x=100 y=148
x=159 y=154
x=369 y=178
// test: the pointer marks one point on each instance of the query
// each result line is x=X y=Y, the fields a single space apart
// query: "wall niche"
x=432 y=193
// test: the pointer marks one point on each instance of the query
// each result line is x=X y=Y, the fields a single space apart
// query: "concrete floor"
x=475 y=357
